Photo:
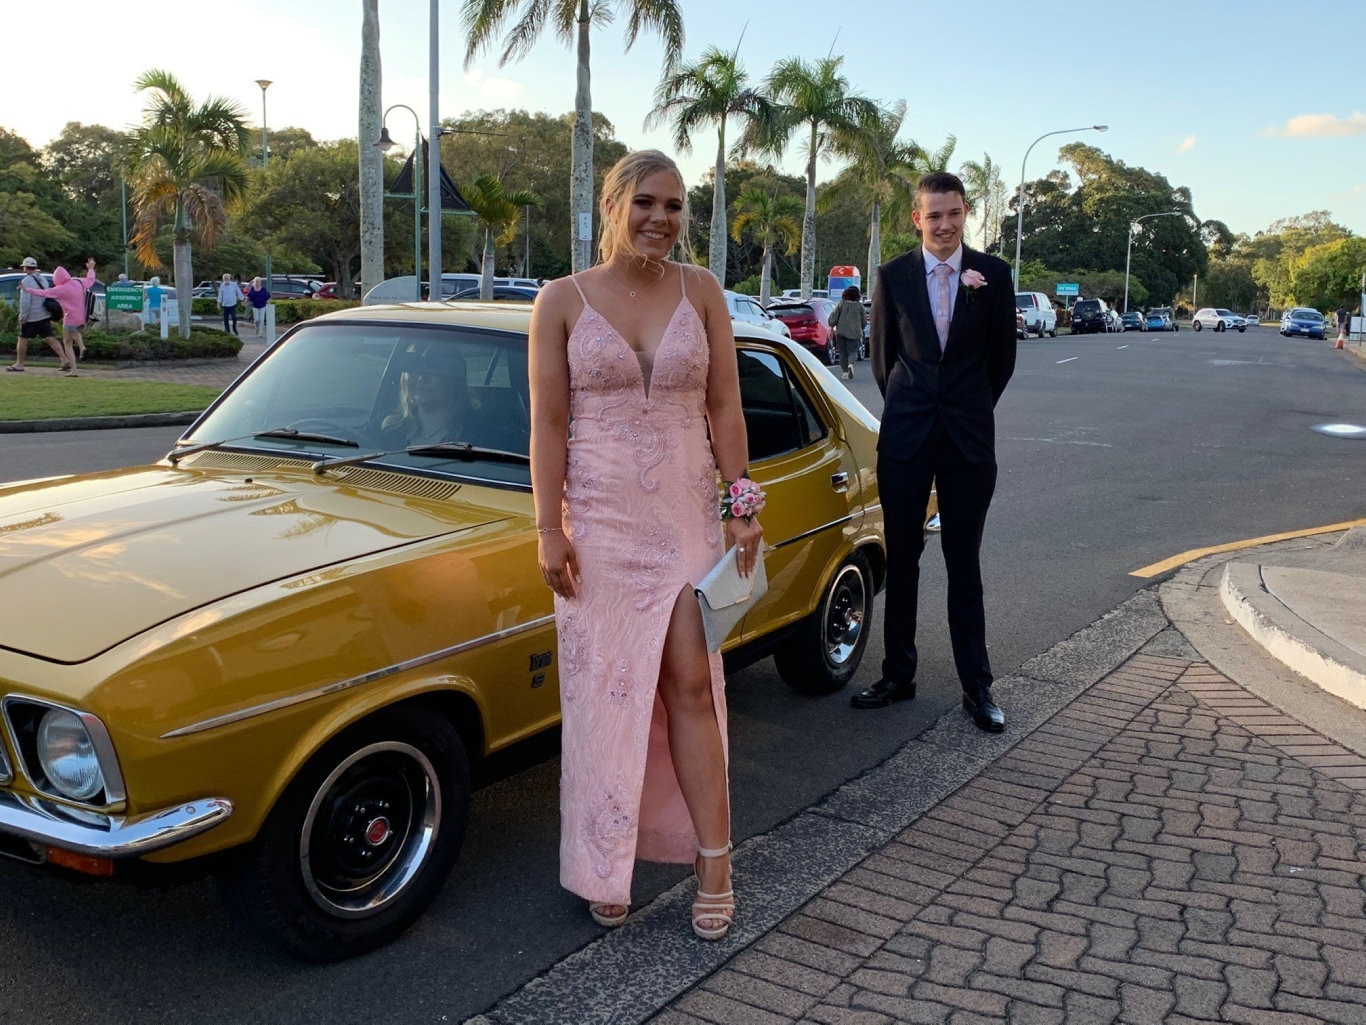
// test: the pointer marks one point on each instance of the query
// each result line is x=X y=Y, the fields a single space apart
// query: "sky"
x=1257 y=106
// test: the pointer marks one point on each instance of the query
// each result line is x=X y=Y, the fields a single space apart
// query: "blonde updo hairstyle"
x=618 y=186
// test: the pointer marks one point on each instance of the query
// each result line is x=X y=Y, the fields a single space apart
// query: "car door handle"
x=840 y=481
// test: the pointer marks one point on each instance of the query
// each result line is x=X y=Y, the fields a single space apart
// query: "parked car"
x=501 y=293
x=1169 y=313
x=9 y=284
x=807 y=323
x=1133 y=321
x=1113 y=321
x=1090 y=316
x=1303 y=321
x=796 y=293
x=307 y=638
x=329 y=290
x=1217 y=319
x=1157 y=321
x=746 y=309
x=1252 y=320
x=292 y=286
x=1040 y=316
x=1021 y=328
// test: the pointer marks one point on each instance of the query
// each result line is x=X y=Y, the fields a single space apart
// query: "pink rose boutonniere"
x=972 y=280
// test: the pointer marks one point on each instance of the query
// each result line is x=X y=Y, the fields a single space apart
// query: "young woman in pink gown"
x=635 y=404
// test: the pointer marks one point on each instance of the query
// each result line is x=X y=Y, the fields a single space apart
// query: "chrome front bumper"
x=106 y=836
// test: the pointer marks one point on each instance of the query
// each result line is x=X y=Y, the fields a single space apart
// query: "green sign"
x=1065 y=288
x=123 y=297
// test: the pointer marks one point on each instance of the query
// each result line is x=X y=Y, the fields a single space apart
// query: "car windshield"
x=391 y=393
x=1307 y=314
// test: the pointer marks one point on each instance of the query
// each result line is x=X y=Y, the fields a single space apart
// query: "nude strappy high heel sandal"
x=598 y=911
x=712 y=907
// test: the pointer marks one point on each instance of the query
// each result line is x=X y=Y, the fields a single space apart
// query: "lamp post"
x=1128 y=250
x=387 y=143
x=434 y=217
x=1019 y=203
x=264 y=83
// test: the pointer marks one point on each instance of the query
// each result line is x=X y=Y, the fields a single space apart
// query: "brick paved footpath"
x=1167 y=848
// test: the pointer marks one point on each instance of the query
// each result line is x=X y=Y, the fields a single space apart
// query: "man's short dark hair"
x=940 y=181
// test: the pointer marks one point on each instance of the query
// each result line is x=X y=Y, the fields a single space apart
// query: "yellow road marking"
x=1198 y=553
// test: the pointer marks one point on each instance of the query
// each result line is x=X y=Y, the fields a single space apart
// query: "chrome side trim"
x=107 y=836
x=814 y=531
x=355 y=681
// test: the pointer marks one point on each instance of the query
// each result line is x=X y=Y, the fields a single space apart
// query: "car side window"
x=779 y=418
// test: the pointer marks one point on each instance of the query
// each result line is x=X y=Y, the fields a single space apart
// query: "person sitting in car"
x=433 y=404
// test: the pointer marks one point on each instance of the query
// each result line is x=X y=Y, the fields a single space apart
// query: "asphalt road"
x=1116 y=451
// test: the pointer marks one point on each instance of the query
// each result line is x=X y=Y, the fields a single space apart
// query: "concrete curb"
x=98 y=423
x=1291 y=640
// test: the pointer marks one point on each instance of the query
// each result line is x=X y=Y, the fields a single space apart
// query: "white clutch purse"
x=725 y=596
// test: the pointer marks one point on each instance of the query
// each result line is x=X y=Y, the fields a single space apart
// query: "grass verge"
x=40 y=397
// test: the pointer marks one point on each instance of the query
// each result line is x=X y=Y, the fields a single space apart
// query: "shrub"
x=291 y=311
x=121 y=347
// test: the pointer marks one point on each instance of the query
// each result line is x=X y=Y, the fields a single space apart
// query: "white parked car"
x=1217 y=320
x=746 y=309
x=1252 y=319
x=1040 y=316
x=796 y=293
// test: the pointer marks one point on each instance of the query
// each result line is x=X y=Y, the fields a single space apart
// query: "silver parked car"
x=1217 y=320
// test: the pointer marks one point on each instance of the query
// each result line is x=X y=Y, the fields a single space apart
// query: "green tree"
x=772 y=222
x=85 y=159
x=186 y=161
x=572 y=20
x=1274 y=252
x=1328 y=275
x=710 y=91
x=814 y=102
x=1228 y=283
x=26 y=229
x=498 y=211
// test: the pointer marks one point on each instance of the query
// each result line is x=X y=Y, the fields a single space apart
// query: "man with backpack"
x=70 y=293
x=34 y=319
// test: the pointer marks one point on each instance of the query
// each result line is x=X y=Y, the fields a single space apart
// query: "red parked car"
x=808 y=322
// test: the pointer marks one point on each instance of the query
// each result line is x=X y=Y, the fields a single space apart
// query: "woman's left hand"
x=745 y=534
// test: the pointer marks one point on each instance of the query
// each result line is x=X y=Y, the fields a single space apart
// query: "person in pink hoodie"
x=70 y=292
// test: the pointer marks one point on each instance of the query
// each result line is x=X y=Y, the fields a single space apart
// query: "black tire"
x=1241 y=330
x=825 y=651
x=1196 y=326
x=361 y=840
x=1219 y=326
x=1054 y=332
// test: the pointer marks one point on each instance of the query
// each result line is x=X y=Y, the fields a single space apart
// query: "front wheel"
x=361 y=840
x=1241 y=330
x=1197 y=326
x=824 y=653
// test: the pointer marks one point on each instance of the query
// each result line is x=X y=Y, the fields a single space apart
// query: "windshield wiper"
x=463 y=450
x=177 y=454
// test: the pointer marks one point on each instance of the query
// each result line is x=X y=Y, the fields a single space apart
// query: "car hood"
x=88 y=562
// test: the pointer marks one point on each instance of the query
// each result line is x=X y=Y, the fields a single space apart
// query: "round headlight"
x=67 y=755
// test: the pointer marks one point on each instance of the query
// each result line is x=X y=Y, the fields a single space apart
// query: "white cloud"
x=494 y=87
x=1318 y=126
x=1187 y=144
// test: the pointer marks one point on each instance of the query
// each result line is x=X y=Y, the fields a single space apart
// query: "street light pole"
x=1128 y=250
x=387 y=143
x=433 y=163
x=1019 y=202
x=264 y=83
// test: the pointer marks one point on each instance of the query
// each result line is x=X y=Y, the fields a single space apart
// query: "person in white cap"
x=34 y=320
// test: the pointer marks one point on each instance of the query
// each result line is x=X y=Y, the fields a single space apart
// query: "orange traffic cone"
x=1338 y=343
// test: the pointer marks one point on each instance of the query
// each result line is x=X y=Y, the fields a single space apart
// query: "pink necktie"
x=942 y=303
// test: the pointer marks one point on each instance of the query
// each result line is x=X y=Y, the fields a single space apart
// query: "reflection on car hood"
x=88 y=562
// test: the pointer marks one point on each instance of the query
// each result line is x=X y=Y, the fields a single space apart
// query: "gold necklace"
x=629 y=290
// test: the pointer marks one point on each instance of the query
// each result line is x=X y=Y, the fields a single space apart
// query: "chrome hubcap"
x=845 y=610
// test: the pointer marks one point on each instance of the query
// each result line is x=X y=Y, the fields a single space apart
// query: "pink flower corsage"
x=972 y=279
x=742 y=498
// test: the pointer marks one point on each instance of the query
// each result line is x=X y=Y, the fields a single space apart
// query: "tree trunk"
x=486 y=269
x=766 y=277
x=581 y=175
x=874 y=249
x=716 y=259
x=809 y=222
x=371 y=158
x=184 y=284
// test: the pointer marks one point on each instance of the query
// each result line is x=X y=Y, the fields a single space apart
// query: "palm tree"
x=883 y=170
x=498 y=211
x=814 y=99
x=772 y=221
x=187 y=161
x=986 y=191
x=710 y=91
x=572 y=20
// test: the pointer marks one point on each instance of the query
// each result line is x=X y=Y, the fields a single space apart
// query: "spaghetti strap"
x=578 y=289
x=682 y=281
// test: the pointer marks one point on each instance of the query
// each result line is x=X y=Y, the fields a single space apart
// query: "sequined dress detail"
x=640 y=506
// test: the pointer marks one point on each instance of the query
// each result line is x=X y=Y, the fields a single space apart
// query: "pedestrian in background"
x=34 y=319
x=151 y=310
x=70 y=292
x=847 y=319
x=1344 y=322
x=258 y=295
x=229 y=295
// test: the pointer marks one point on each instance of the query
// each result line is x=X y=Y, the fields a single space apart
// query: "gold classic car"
x=309 y=620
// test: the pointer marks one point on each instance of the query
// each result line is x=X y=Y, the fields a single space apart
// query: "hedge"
x=120 y=347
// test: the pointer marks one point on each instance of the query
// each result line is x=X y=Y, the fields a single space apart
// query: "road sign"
x=1065 y=288
x=123 y=297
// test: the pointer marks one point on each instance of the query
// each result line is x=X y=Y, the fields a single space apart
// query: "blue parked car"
x=1302 y=321
x=1157 y=322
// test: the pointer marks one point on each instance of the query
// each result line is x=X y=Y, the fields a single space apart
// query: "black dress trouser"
x=964 y=490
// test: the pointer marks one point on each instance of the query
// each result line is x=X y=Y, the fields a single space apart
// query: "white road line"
x=1069 y=359
x=1123 y=347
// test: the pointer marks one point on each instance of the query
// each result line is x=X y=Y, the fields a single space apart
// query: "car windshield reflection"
x=428 y=398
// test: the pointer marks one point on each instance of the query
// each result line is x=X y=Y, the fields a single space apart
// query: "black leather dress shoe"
x=984 y=713
x=882 y=694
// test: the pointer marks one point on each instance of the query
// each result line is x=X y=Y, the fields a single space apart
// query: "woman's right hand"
x=559 y=563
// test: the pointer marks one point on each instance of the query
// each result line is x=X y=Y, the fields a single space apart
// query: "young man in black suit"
x=942 y=341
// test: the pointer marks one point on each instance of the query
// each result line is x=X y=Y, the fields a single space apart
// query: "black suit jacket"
x=960 y=387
